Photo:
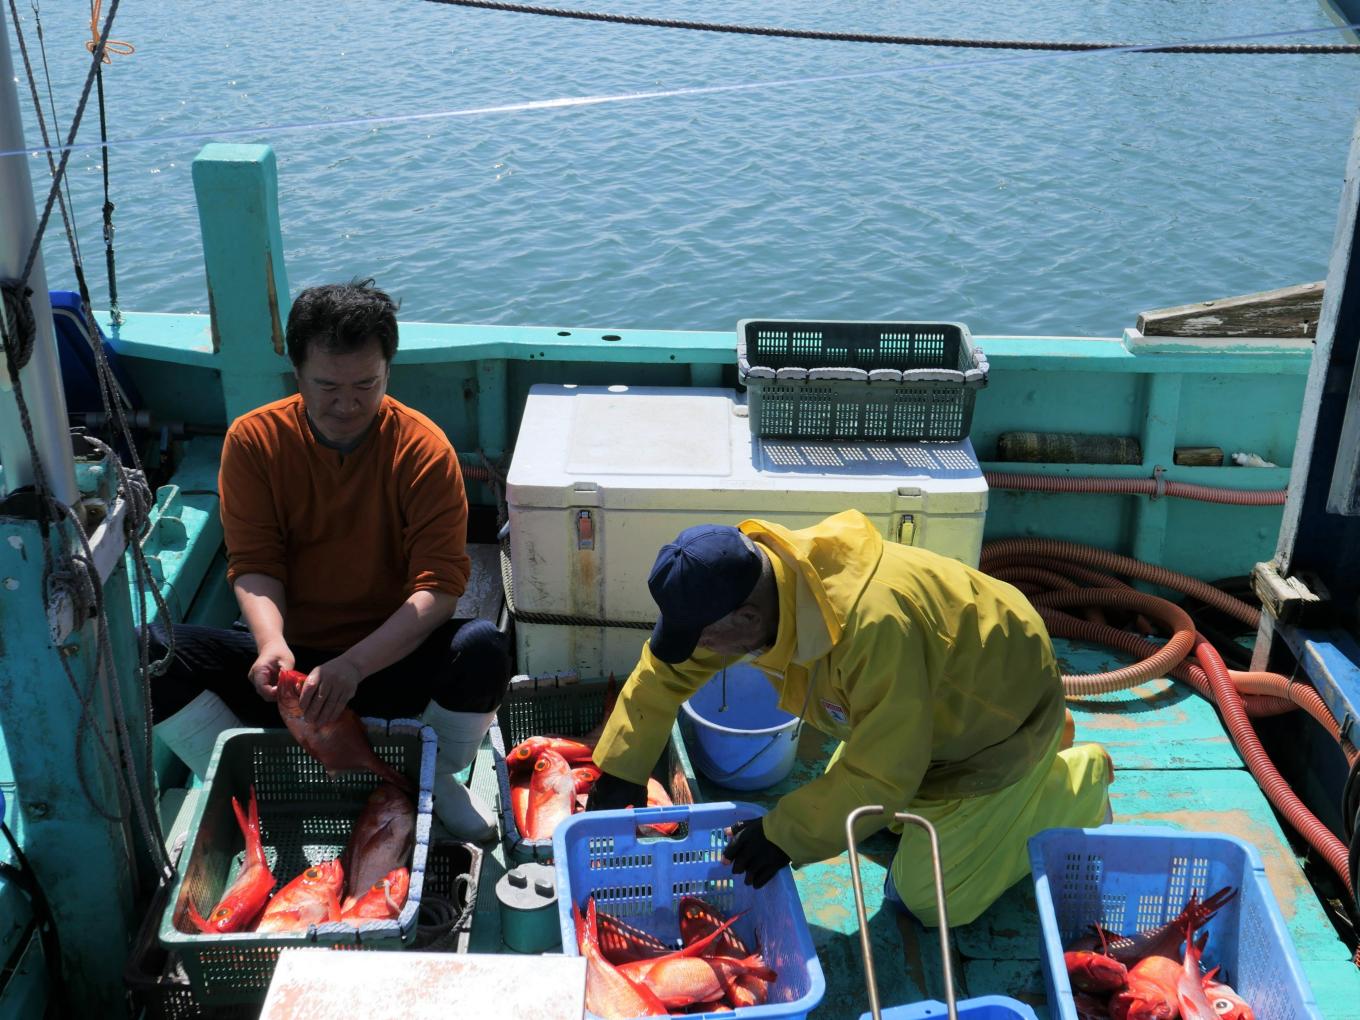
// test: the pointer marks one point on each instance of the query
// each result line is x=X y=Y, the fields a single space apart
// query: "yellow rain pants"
x=983 y=838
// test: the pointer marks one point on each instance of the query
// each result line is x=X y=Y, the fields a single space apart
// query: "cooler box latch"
x=585 y=530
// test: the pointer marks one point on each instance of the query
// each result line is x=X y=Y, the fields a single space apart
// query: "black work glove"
x=751 y=852
x=610 y=792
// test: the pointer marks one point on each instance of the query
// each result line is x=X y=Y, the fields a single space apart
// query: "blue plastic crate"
x=642 y=880
x=1132 y=877
x=984 y=1007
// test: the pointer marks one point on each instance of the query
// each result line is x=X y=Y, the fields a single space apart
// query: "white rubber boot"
x=459 y=735
x=192 y=731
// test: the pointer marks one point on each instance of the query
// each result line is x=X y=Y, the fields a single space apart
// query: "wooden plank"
x=1287 y=312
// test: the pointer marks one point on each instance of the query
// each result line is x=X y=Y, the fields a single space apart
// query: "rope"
x=52 y=104
x=19 y=337
x=77 y=577
x=115 y=313
x=52 y=194
x=117 y=46
x=901 y=40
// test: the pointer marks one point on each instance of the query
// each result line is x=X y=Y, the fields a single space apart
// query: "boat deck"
x=1175 y=767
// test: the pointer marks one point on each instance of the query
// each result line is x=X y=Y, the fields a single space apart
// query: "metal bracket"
x=1287 y=600
x=585 y=530
x=1159 y=476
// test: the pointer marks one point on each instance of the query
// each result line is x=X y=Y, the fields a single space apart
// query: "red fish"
x=622 y=943
x=1151 y=991
x=1095 y=972
x=381 y=840
x=585 y=777
x=552 y=795
x=524 y=755
x=658 y=797
x=1190 y=995
x=248 y=894
x=681 y=981
x=642 y=970
x=1227 y=1003
x=698 y=920
x=519 y=801
x=1162 y=941
x=341 y=745
x=609 y=994
x=383 y=900
x=311 y=898
x=748 y=990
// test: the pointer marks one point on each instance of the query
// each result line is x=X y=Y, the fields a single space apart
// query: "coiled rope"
x=905 y=40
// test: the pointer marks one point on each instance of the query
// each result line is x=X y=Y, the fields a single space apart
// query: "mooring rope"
x=907 y=40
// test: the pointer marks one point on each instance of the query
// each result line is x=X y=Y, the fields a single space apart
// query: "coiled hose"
x=1050 y=572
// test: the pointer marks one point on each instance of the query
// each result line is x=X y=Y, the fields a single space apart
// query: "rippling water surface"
x=1057 y=195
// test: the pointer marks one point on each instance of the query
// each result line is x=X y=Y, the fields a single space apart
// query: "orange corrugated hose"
x=1135 y=486
x=1052 y=574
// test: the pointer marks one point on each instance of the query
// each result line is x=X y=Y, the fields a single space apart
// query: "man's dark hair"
x=341 y=318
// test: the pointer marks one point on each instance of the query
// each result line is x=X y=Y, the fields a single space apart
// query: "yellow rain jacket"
x=940 y=680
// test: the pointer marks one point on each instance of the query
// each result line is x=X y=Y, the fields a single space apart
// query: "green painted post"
x=81 y=858
x=238 y=215
x=493 y=407
x=1159 y=449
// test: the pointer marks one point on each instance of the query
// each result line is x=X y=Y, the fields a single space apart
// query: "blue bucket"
x=750 y=744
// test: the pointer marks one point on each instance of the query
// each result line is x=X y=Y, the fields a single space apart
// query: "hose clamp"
x=1159 y=477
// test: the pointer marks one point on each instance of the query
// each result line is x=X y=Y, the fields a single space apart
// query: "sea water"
x=1023 y=193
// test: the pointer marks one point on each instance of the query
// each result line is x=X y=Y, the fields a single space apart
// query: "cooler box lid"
x=653 y=447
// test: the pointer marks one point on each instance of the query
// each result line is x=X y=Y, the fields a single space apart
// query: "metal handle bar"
x=946 y=962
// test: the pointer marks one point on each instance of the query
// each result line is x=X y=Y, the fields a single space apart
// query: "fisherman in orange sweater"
x=345 y=521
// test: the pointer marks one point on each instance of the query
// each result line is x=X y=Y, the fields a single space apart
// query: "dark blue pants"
x=464 y=665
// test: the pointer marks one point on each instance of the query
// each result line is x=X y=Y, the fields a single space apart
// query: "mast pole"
x=41 y=376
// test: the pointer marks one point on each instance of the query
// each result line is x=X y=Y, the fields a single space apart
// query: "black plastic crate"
x=859 y=380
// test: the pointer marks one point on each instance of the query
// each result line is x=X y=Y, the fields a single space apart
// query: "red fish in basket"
x=383 y=900
x=237 y=910
x=311 y=898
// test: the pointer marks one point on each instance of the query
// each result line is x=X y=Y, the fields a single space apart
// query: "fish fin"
x=580 y=926
x=755 y=967
x=697 y=947
x=392 y=904
x=592 y=924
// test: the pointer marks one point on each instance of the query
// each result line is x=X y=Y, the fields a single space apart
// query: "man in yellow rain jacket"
x=940 y=681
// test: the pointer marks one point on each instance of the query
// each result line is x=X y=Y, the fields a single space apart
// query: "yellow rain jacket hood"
x=940 y=679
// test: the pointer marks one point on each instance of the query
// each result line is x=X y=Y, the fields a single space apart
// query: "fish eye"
x=222 y=912
x=1222 y=1005
x=313 y=873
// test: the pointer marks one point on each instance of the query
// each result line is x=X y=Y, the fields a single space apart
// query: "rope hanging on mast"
x=74 y=573
x=122 y=49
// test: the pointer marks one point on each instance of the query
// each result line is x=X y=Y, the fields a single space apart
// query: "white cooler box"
x=604 y=476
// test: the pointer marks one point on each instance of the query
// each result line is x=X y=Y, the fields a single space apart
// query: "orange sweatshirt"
x=351 y=537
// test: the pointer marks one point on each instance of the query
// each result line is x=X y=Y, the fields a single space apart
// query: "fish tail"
x=198 y=921
x=386 y=771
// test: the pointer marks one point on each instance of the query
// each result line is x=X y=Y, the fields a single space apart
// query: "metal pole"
x=866 y=946
x=41 y=377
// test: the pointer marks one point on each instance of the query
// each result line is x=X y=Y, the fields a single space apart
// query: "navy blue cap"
x=708 y=571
